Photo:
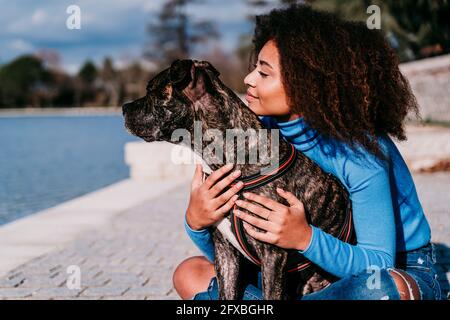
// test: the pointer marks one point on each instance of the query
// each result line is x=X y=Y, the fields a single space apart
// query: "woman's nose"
x=248 y=80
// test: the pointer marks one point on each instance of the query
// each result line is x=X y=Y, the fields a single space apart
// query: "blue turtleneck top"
x=387 y=213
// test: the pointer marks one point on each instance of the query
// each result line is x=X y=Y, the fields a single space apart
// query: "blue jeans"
x=370 y=285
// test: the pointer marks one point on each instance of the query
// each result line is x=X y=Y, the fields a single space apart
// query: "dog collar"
x=257 y=180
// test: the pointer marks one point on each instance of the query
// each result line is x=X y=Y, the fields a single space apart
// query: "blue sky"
x=114 y=28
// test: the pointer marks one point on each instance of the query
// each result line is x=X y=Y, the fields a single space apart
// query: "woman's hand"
x=205 y=206
x=285 y=226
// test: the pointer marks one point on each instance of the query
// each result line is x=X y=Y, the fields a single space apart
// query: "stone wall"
x=159 y=161
x=430 y=81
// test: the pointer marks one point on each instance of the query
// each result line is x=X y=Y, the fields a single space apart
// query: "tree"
x=88 y=72
x=174 y=35
x=110 y=83
x=84 y=83
x=21 y=79
x=50 y=58
x=415 y=29
x=426 y=24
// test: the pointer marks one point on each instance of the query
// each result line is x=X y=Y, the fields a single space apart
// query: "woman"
x=334 y=90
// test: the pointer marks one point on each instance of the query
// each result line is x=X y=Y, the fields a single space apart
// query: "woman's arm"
x=202 y=239
x=374 y=224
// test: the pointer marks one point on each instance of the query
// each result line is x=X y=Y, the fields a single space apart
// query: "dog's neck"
x=236 y=115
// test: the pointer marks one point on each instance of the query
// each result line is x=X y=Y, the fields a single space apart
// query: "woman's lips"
x=249 y=97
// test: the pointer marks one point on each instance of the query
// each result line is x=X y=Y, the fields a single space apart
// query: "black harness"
x=296 y=261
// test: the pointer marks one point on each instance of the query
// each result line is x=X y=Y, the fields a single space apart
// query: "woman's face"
x=265 y=92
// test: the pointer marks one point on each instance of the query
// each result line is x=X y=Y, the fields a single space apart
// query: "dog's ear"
x=193 y=77
x=190 y=78
x=209 y=67
x=180 y=71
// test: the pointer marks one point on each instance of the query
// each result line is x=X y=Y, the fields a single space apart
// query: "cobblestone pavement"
x=135 y=256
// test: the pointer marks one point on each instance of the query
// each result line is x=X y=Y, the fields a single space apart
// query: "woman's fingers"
x=290 y=197
x=198 y=177
x=266 y=202
x=215 y=175
x=260 y=211
x=256 y=221
x=220 y=200
x=267 y=237
x=223 y=210
x=223 y=183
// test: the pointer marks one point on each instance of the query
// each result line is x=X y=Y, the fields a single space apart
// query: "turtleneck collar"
x=298 y=133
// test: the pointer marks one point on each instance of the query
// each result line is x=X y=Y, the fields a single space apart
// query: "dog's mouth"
x=143 y=131
x=148 y=138
x=132 y=112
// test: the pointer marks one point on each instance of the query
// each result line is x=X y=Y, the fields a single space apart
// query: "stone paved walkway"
x=135 y=256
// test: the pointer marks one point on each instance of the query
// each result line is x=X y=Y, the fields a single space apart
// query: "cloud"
x=20 y=46
x=38 y=17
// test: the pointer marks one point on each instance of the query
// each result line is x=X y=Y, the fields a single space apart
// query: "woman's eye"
x=262 y=74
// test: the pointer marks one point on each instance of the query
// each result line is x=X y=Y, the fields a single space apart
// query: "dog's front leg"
x=273 y=272
x=228 y=266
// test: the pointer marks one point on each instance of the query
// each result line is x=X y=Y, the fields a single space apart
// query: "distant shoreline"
x=87 y=111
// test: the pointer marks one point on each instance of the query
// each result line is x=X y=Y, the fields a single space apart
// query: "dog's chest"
x=224 y=226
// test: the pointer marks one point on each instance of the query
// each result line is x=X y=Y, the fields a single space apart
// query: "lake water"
x=46 y=160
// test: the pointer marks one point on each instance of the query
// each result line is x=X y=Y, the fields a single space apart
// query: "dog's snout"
x=136 y=105
x=126 y=107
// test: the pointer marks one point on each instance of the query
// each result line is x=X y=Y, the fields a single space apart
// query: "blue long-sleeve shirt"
x=387 y=213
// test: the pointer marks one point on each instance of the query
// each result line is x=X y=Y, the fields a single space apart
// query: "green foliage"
x=88 y=72
x=415 y=28
x=174 y=34
x=20 y=78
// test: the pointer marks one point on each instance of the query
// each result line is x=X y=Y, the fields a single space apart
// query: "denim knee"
x=376 y=284
x=212 y=293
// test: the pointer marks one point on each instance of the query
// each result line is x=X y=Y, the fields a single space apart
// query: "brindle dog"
x=191 y=90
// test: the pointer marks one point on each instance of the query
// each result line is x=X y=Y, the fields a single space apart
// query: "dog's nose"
x=126 y=107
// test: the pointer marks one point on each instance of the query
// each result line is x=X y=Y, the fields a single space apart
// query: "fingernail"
x=246 y=194
x=239 y=184
x=235 y=197
x=236 y=173
x=229 y=166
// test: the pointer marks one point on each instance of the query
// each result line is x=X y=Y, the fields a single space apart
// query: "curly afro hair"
x=342 y=77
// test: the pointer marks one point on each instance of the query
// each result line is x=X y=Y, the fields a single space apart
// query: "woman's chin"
x=254 y=108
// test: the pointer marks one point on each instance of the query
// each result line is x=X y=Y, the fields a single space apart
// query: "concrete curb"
x=425 y=147
x=54 y=228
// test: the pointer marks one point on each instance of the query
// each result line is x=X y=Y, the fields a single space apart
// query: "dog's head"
x=172 y=97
